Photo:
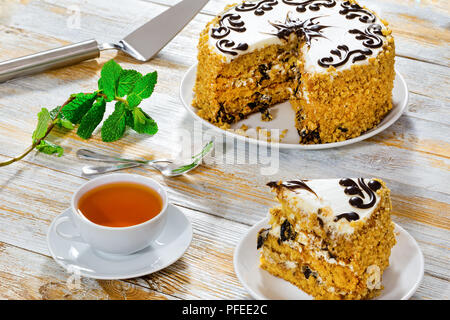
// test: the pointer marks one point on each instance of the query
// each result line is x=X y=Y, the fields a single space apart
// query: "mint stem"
x=37 y=142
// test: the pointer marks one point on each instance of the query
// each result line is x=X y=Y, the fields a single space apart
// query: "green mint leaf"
x=92 y=119
x=133 y=101
x=64 y=123
x=108 y=82
x=78 y=107
x=129 y=118
x=54 y=113
x=127 y=81
x=143 y=123
x=143 y=89
x=44 y=119
x=59 y=119
x=114 y=127
x=50 y=148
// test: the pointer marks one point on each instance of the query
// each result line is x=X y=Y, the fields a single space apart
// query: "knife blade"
x=146 y=41
x=142 y=44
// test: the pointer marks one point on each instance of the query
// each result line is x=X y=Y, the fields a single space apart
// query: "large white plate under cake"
x=283 y=117
x=400 y=280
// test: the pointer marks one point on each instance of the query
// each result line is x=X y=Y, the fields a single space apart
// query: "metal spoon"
x=165 y=166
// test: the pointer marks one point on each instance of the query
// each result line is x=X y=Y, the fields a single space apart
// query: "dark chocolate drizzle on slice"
x=227 y=23
x=292 y=185
x=354 y=10
x=342 y=55
x=308 y=28
x=350 y=216
x=372 y=37
x=369 y=189
x=230 y=47
x=313 y=5
x=262 y=237
x=259 y=8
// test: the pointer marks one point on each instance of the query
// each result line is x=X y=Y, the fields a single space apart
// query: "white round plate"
x=79 y=257
x=400 y=280
x=283 y=116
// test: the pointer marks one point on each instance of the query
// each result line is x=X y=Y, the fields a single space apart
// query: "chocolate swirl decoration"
x=354 y=10
x=372 y=36
x=353 y=188
x=259 y=8
x=308 y=28
x=342 y=55
x=227 y=23
x=313 y=5
x=229 y=47
x=292 y=185
x=349 y=216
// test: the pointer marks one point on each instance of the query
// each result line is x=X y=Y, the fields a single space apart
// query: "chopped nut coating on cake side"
x=331 y=238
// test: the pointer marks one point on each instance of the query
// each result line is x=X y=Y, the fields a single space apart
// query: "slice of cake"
x=331 y=238
x=334 y=61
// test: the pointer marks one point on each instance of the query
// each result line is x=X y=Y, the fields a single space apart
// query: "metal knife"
x=142 y=44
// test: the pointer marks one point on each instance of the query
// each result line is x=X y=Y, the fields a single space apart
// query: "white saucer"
x=400 y=280
x=283 y=117
x=80 y=257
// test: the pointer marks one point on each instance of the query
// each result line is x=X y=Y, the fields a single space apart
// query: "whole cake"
x=333 y=60
x=331 y=238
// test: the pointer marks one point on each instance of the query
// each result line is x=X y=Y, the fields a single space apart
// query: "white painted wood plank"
x=31 y=276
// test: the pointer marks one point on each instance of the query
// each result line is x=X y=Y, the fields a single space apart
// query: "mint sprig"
x=44 y=120
x=92 y=118
x=108 y=82
x=79 y=106
x=128 y=88
x=143 y=123
x=114 y=127
x=127 y=81
x=50 y=148
x=142 y=89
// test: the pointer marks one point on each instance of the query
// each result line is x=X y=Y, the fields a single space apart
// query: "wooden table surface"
x=221 y=200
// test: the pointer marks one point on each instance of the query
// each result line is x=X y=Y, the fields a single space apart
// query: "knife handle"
x=50 y=59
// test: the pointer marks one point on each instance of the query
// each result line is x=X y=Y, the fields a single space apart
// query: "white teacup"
x=115 y=240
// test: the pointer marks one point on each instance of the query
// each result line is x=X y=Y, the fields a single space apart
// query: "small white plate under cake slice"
x=400 y=280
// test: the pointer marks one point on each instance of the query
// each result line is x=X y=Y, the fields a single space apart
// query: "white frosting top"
x=340 y=32
x=330 y=194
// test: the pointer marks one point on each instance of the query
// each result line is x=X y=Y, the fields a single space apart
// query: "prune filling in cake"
x=333 y=60
x=331 y=238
